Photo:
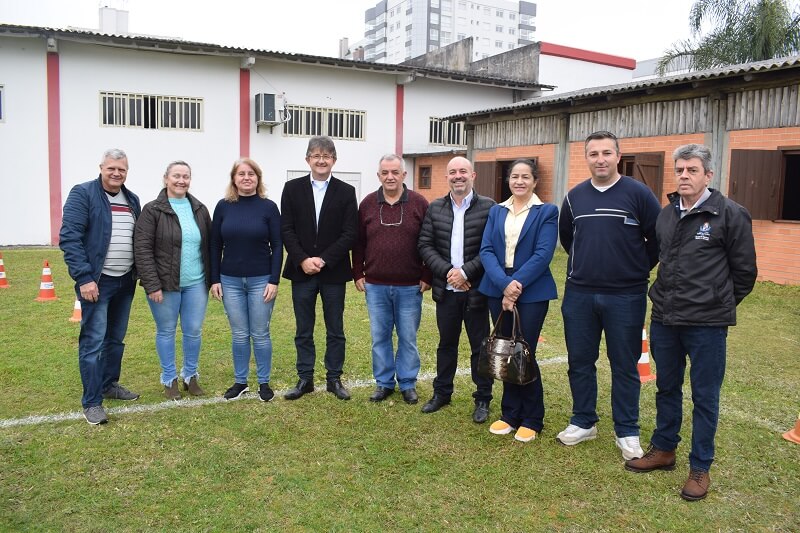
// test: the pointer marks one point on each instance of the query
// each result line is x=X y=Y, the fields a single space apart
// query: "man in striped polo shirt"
x=97 y=239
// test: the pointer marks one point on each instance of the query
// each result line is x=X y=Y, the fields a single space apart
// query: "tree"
x=739 y=31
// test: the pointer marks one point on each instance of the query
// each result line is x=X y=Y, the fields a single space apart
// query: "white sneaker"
x=630 y=447
x=573 y=435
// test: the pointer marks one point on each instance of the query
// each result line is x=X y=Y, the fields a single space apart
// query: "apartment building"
x=398 y=30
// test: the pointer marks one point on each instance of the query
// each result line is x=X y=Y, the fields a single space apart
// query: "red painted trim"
x=550 y=49
x=400 y=104
x=54 y=144
x=244 y=113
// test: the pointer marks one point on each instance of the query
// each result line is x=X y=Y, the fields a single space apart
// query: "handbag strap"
x=516 y=329
x=497 y=323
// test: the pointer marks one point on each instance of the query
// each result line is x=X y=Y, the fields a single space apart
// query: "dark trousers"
x=100 y=343
x=706 y=347
x=304 y=299
x=621 y=317
x=451 y=311
x=523 y=405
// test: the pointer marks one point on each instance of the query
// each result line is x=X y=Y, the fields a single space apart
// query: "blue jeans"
x=705 y=346
x=304 y=300
x=190 y=304
x=103 y=327
x=523 y=405
x=621 y=317
x=393 y=307
x=249 y=317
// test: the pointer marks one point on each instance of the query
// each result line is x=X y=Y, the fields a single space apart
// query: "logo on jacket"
x=704 y=232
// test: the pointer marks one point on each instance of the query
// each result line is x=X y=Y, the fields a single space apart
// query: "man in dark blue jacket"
x=97 y=239
x=707 y=266
x=607 y=225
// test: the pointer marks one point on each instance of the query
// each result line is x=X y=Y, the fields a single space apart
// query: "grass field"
x=322 y=464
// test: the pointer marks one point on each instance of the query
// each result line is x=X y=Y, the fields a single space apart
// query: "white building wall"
x=24 y=175
x=572 y=74
x=86 y=70
x=279 y=156
x=425 y=98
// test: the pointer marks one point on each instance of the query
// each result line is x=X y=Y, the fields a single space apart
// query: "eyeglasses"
x=380 y=216
x=321 y=157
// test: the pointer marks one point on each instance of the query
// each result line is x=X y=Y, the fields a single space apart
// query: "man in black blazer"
x=319 y=225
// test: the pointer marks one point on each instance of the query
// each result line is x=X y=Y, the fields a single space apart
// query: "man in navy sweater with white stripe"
x=607 y=226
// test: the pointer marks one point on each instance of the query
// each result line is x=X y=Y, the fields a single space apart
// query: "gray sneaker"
x=118 y=392
x=95 y=415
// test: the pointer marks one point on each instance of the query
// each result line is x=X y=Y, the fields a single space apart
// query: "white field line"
x=36 y=420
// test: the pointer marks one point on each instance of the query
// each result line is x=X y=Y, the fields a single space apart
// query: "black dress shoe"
x=435 y=403
x=335 y=386
x=303 y=387
x=481 y=412
x=380 y=394
x=410 y=396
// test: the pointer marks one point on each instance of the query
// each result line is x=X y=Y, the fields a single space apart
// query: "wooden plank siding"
x=775 y=107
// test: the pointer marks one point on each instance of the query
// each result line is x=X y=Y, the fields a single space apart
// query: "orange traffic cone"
x=644 y=361
x=76 y=312
x=47 y=291
x=794 y=434
x=3 y=280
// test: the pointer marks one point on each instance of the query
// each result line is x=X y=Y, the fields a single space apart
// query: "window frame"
x=336 y=123
x=424 y=178
x=151 y=112
x=443 y=132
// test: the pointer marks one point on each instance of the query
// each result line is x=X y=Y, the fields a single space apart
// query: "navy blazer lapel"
x=500 y=236
x=534 y=213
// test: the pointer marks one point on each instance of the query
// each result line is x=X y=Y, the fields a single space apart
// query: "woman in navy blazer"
x=516 y=250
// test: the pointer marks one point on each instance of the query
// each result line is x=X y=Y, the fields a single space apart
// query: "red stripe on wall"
x=398 y=120
x=550 y=49
x=54 y=144
x=244 y=113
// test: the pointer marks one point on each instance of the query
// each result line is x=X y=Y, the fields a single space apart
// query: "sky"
x=638 y=29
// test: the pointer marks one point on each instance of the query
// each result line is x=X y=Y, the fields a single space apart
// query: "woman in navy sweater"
x=246 y=257
x=518 y=244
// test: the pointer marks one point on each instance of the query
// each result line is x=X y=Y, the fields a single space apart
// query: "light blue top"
x=191 y=258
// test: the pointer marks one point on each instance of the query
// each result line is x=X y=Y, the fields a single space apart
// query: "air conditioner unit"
x=268 y=109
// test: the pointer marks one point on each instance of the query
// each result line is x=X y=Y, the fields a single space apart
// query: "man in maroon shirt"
x=388 y=269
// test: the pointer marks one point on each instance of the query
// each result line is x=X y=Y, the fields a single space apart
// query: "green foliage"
x=319 y=464
x=738 y=31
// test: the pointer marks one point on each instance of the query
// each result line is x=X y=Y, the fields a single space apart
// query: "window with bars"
x=446 y=133
x=307 y=121
x=151 y=111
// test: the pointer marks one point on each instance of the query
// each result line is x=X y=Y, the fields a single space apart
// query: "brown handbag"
x=507 y=359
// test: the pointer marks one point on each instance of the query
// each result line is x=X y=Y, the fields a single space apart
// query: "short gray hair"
x=113 y=153
x=322 y=143
x=689 y=151
x=393 y=157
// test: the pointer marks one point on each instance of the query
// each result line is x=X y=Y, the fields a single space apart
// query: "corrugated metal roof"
x=722 y=72
x=168 y=44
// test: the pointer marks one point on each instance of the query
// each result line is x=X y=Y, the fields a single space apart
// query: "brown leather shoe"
x=654 y=459
x=193 y=387
x=696 y=487
x=171 y=391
